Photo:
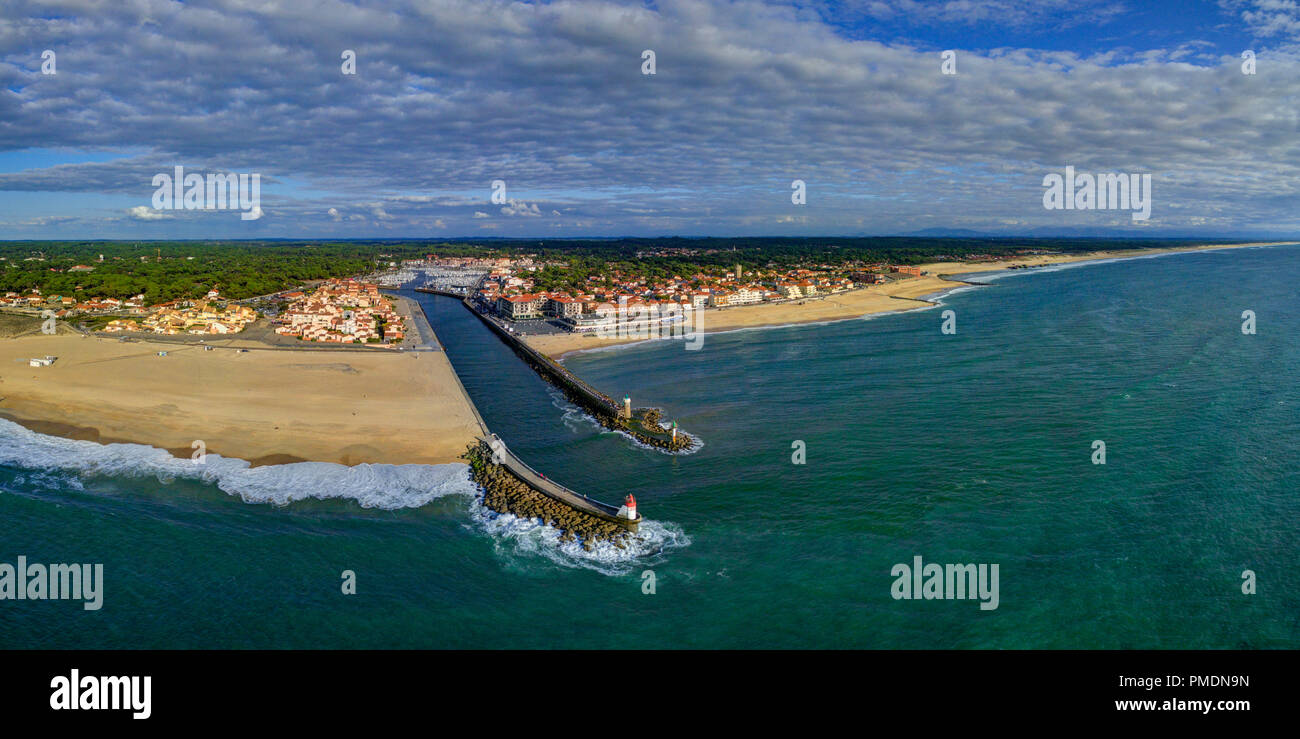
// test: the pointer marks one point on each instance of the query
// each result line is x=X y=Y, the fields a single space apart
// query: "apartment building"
x=519 y=307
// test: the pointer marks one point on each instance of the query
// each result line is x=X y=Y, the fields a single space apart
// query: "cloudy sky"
x=550 y=97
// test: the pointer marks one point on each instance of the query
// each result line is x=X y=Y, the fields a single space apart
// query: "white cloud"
x=520 y=208
x=1268 y=18
x=145 y=213
x=747 y=92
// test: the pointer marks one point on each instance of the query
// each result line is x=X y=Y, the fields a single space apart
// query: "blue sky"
x=747 y=97
x=1078 y=27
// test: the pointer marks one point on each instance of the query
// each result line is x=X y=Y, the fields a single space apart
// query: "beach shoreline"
x=90 y=433
x=266 y=407
x=904 y=295
x=278 y=405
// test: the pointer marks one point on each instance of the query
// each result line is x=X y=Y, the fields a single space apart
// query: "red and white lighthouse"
x=628 y=510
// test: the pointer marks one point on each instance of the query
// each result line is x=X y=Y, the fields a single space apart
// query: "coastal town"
x=339 y=311
x=207 y=315
x=539 y=293
x=600 y=293
x=343 y=312
x=511 y=289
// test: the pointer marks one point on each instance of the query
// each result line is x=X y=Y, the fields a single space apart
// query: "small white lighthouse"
x=627 y=406
x=674 y=432
x=628 y=510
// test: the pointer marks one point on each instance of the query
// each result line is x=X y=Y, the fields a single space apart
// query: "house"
x=45 y=361
x=121 y=324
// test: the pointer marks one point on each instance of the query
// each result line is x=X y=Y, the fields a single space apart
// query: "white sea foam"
x=986 y=277
x=384 y=486
x=515 y=535
x=696 y=444
x=575 y=417
x=55 y=462
x=937 y=297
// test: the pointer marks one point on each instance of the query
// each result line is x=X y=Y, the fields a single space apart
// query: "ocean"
x=970 y=447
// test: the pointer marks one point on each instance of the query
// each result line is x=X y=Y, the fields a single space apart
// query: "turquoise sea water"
x=974 y=447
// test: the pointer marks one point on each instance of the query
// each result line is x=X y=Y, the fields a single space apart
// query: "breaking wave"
x=531 y=537
x=58 y=463
x=386 y=486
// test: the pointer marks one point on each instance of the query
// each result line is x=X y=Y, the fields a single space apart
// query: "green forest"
x=166 y=270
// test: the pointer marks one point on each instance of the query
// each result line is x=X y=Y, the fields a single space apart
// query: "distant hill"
x=1088 y=232
x=951 y=233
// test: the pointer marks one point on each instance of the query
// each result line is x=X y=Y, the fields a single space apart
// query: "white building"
x=745 y=296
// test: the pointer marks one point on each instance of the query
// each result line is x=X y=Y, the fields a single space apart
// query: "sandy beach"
x=273 y=404
x=264 y=405
x=898 y=296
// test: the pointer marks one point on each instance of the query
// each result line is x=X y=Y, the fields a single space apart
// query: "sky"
x=853 y=98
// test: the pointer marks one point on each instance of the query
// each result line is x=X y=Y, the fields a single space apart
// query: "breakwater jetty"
x=511 y=486
x=643 y=424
